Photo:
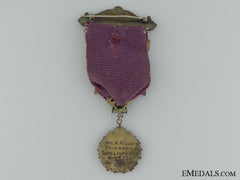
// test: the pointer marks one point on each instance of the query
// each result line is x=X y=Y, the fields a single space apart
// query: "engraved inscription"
x=119 y=151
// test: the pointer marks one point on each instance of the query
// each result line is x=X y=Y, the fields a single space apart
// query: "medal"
x=119 y=69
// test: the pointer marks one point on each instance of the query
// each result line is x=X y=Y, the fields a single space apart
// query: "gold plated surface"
x=119 y=151
x=117 y=109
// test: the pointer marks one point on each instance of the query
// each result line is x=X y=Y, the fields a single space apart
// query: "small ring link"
x=119 y=119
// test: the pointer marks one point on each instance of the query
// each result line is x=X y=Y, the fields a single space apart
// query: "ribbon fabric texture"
x=117 y=60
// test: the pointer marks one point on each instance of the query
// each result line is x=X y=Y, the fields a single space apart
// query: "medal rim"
x=135 y=162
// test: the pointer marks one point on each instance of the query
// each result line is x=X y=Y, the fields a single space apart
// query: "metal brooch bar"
x=93 y=16
x=118 y=16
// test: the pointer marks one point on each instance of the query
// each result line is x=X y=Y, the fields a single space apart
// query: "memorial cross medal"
x=119 y=69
